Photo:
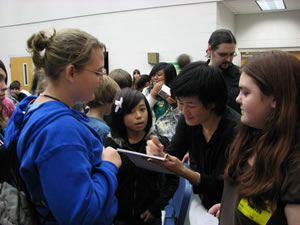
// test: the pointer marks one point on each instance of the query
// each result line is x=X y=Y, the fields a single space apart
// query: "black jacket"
x=138 y=189
x=232 y=77
x=209 y=159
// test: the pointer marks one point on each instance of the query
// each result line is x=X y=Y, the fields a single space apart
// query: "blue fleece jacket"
x=61 y=164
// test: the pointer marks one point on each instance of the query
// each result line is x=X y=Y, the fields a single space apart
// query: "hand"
x=154 y=147
x=186 y=158
x=173 y=164
x=172 y=102
x=147 y=216
x=111 y=155
x=156 y=88
x=215 y=210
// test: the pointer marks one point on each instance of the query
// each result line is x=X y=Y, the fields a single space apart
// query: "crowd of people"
x=237 y=127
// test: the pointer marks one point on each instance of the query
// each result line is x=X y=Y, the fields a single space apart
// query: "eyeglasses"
x=98 y=73
x=223 y=54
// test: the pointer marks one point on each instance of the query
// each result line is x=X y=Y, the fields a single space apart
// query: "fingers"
x=110 y=154
x=156 y=88
x=160 y=84
x=185 y=158
x=108 y=148
x=154 y=147
x=171 y=100
x=218 y=214
x=172 y=163
x=156 y=140
x=215 y=210
x=172 y=158
x=146 y=216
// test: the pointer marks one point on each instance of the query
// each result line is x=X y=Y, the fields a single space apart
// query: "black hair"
x=131 y=98
x=169 y=70
x=20 y=96
x=136 y=71
x=142 y=81
x=2 y=66
x=204 y=81
x=221 y=36
x=15 y=85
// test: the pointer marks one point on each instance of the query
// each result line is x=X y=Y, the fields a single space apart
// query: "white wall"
x=226 y=19
x=42 y=10
x=128 y=34
x=132 y=28
x=269 y=30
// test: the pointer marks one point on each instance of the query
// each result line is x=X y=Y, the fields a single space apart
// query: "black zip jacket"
x=209 y=159
x=139 y=189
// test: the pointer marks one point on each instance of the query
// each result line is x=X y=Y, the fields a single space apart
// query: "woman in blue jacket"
x=71 y=178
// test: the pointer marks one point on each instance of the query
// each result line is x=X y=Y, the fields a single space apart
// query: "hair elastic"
x=118 y=104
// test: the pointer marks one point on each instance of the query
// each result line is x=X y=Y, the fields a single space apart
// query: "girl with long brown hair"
x=262 y=184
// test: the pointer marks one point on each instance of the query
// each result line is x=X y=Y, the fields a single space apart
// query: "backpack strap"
x=10 y=172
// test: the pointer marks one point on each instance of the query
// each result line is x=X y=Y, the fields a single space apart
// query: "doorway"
x=246 y=55
x=22 y=70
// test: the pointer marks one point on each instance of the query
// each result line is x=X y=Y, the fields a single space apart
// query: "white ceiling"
x=250 y=6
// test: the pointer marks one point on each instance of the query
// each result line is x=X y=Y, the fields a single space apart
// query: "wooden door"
x=296 y=54
x=22 y=70
x=246 y=55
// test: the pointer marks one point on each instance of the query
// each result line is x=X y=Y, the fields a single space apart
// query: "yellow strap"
x=261 y=217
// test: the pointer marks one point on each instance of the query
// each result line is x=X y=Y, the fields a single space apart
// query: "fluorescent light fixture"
x=266 y=5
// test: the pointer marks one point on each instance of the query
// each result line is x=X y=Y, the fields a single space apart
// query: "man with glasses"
x=221 y=51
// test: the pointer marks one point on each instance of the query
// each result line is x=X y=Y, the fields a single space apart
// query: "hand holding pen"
x=154 y=147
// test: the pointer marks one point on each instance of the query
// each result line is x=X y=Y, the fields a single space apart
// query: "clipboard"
x=141 y=161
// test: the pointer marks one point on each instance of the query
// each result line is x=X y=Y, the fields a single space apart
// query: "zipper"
x=133 y=211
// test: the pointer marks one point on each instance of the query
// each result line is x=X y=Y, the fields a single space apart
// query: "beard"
x=224 y=65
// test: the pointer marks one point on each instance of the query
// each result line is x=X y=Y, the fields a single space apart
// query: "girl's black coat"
x=139 y=189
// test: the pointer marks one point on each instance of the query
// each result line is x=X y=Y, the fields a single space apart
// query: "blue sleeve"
x=76 y=191
x=61 y=163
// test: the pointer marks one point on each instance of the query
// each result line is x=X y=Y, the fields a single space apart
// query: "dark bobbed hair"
x=2 y=66
x=169 y=70
x=204 y=81
x=131 y=98
x=221 y=36
x=20 y=96
x=136 y=71
x=15 y=85
x=142 y=81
